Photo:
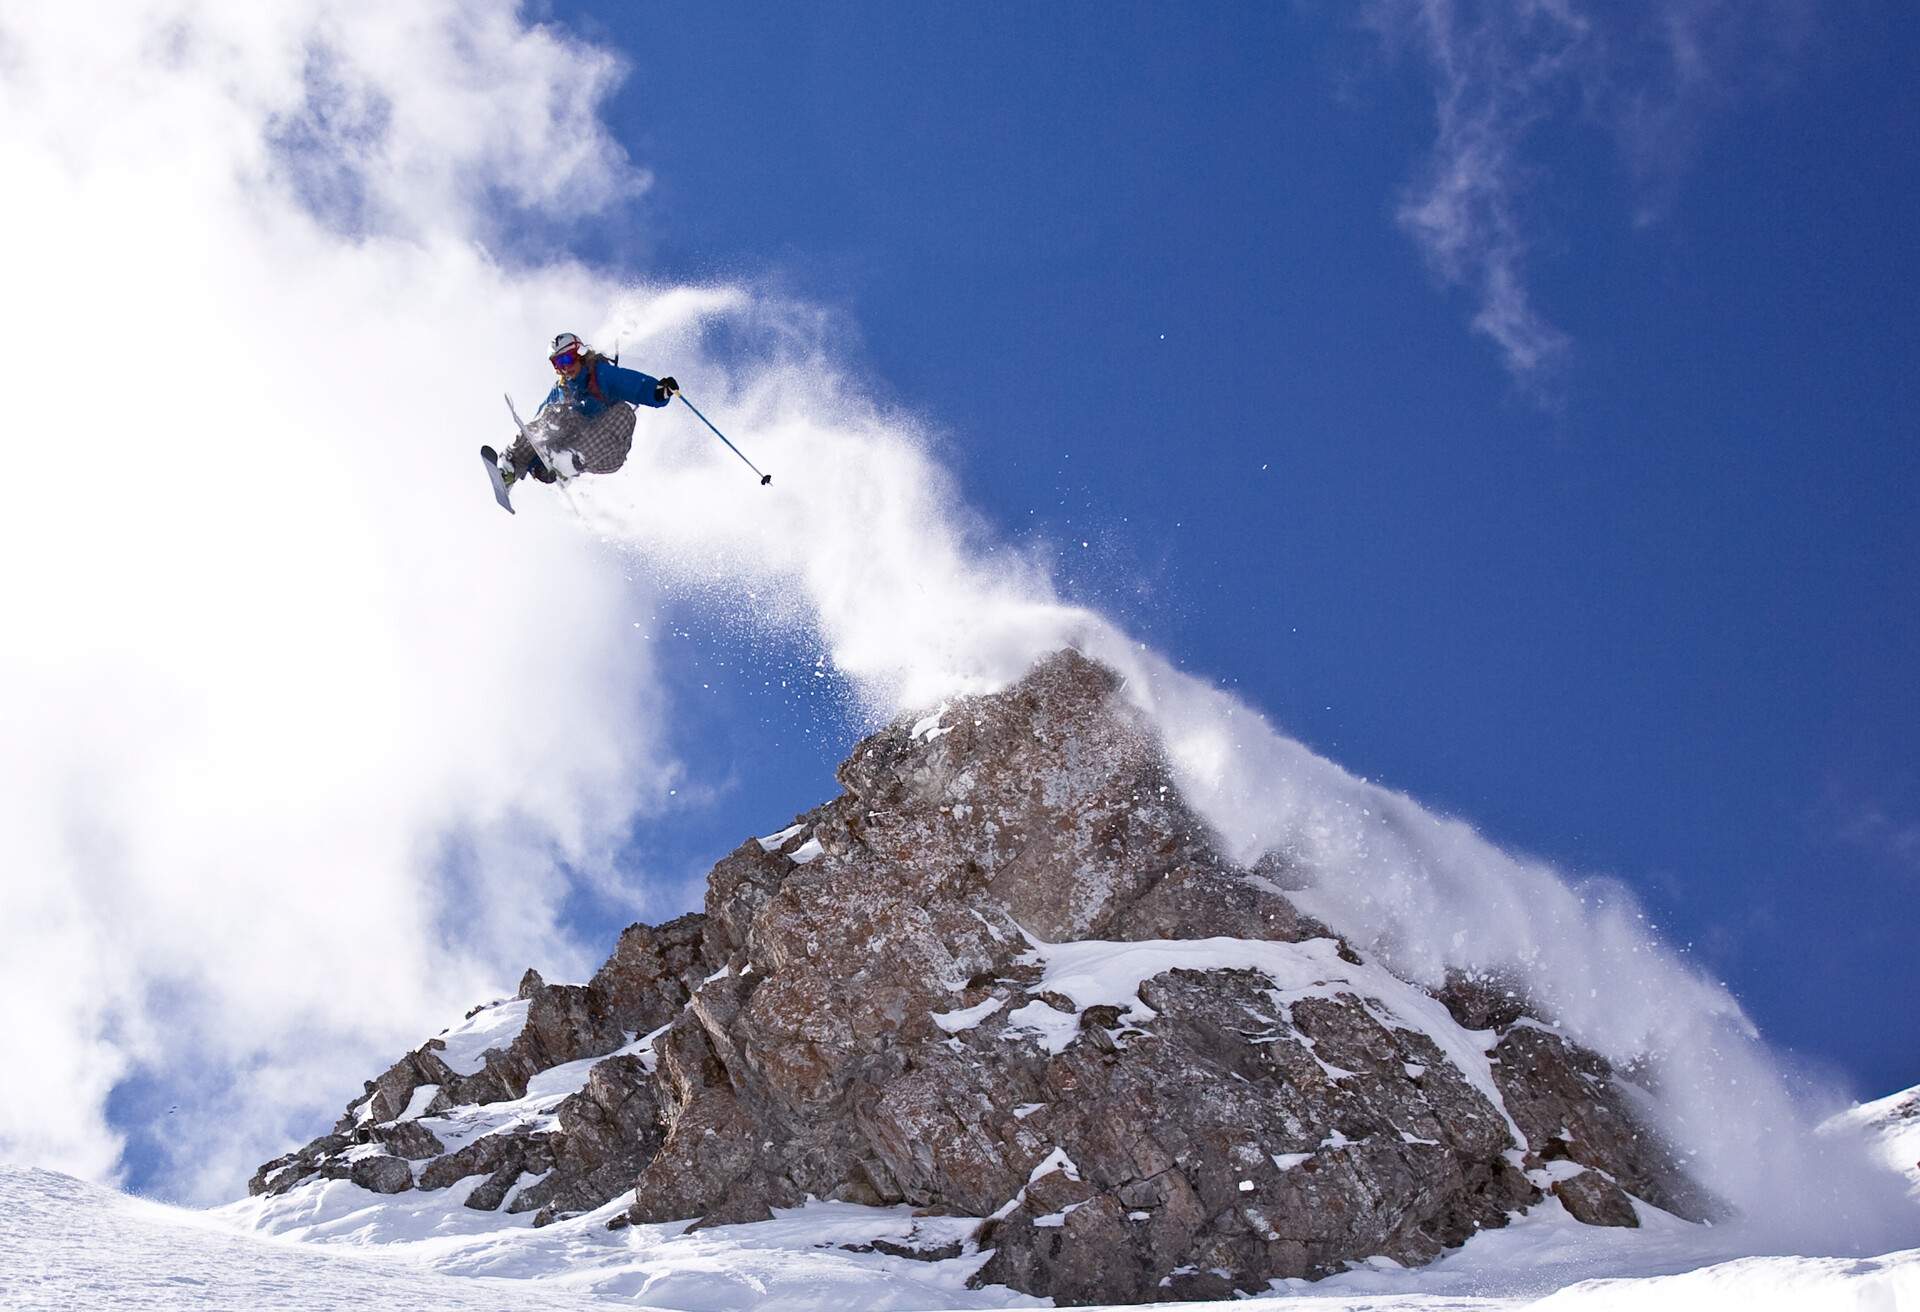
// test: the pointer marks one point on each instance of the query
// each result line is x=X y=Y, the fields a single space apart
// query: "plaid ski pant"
x=598 y=443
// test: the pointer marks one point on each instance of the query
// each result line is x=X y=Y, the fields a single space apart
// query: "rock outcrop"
x=586 y=1143
x=1007 y=974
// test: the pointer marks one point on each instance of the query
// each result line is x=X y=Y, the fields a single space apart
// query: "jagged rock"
x=1593 y=1198
x=382 y=1175
x=609 y=1131
x=408 y=1139
x=710 y=1159
x=1209 y=902
x=652 y=972
x=502 y=1158
x=1570 y=1103
x=282 y=1173
x=1052 y=796
x=1484 y=1001
x=866 y=1011
x=743 y=883
x=1572 y=1106
x=1232 y=1137
x=565 y=1022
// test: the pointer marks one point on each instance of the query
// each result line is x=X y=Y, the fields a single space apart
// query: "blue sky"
x=1646 y=611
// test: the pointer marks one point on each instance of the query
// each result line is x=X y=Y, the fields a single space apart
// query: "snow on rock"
x=491 y=1028
x=1057 y=1160
x=929 y=727
x=423 y=1098
x=953 y=1022
x=774 y=842
x=1053 y=1029
x=807 y=851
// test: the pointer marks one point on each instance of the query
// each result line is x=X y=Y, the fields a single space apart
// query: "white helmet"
x=565 y=342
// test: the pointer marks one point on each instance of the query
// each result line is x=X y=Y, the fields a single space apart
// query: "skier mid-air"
x=585 y=426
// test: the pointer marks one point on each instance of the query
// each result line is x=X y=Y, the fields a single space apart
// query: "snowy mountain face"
x=1007 y=982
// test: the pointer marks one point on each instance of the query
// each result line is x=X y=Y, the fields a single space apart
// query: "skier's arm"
x=630 y=385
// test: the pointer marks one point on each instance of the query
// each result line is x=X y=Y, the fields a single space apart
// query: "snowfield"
x=74 y=1245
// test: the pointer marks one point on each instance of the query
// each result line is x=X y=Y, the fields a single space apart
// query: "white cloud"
x=298 y=726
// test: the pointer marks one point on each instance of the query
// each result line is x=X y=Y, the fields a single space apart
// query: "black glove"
x=664 y=389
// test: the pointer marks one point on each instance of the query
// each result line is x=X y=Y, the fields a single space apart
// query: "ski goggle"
x=567 y=359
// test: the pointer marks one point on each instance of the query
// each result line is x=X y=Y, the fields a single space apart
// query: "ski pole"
x=764 y=478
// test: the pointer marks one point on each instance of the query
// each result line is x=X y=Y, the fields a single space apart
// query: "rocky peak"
x=1007 y=974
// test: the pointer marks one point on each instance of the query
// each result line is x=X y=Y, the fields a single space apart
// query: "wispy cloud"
x=1881 y=824
x=1504 y=72
x=1496 y=70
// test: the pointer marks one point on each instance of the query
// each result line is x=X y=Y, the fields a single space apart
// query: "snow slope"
x=75 y=1245
x=69 y=1244
x=1892 y=1126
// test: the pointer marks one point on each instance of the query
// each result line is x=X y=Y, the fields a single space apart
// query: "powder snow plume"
x=865 y=543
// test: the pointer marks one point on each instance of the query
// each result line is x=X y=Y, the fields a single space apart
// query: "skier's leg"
x=603 y=442
x=557 y=434
x=520 y=460
x=516 y=459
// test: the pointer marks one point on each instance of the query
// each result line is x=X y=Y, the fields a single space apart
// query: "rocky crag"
x=1007 y=975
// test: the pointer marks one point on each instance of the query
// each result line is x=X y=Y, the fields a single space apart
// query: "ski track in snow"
x=70 y=1245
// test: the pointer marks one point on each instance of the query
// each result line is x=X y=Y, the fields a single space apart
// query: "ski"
x=544 y=467
x=492 y=458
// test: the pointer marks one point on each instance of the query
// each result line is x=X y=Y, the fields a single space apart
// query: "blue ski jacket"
x=608 y=383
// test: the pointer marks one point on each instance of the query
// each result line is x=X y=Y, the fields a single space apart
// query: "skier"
x=587 y=419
